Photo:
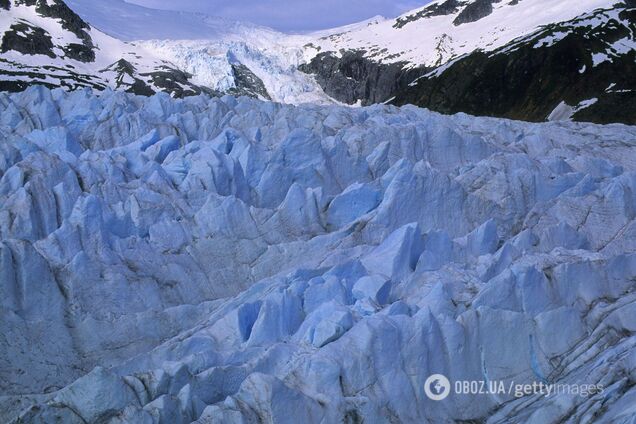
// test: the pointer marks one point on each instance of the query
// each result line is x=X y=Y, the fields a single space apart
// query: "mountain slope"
x=581 y=69
x=515 y=59
x=217 y=52
x=445 y=29
x=130 y=22
x=45 y=42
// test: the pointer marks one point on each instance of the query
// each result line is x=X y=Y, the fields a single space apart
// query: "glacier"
x=229 y=260
x=274 y=58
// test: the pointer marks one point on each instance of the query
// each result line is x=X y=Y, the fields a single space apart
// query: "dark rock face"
x=58 y=10
x=80 y=52
x=176 y=82
x=438 y=9
x=354 y=77
x=27 y=39
x=126 y=73
x=526 y=81
x=247 y=83
x=84 y=52
x=474 y=11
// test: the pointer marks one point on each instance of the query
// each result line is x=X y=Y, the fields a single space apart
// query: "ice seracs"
x=206 y=259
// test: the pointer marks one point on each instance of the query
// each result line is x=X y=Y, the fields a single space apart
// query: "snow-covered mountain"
x=446 y=29
x=218 y=53
x=528 y=59
x=45 y=42
x=578 y=69
x=237 y=261
x=130 y=22
x=560 y=60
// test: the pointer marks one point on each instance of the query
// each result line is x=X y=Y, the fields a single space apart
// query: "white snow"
x=598 y=58
x=130 y=22
x=551 y=39
x=418 y=42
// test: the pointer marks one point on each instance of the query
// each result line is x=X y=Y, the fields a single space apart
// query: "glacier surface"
x=237 y=261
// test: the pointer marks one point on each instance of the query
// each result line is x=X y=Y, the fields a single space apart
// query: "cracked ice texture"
x=230 y=260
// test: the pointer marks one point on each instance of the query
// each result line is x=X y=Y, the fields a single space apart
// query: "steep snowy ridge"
x=41 y=44
x=430 y=36
x=232 y=260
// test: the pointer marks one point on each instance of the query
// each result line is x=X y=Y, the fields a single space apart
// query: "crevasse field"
x=237 y=261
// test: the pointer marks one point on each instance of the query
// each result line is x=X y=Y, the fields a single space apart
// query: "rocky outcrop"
x=247 y=83
x=448 y=7
x=352 y=76
x=176 y=82
x=474 y=11
x=127 y=79
x=27 y=39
